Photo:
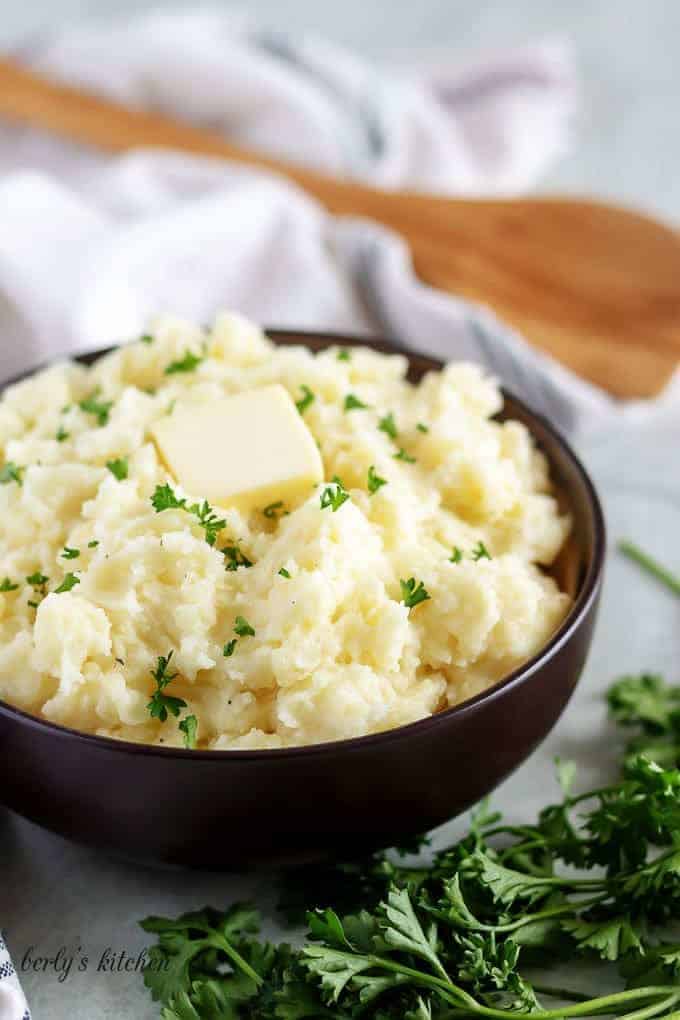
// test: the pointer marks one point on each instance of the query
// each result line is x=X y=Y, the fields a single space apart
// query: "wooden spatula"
x=595 y=285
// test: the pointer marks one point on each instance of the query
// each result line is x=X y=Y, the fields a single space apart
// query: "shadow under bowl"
x=228 y=809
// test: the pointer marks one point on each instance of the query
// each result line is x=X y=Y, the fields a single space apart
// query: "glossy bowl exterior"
x=225 y=809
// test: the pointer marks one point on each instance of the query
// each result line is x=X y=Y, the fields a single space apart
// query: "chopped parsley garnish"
x=274 y=510
x=352 y=403
x=70 y=581
x=70 y=554
x=306 y=400
x=7 y=585
x=282 y=573
x=164 y=498
x=32 y=604
x=161 y=704
x=11 y=472
x=388 y=426
x=401 y=454
x=93 y=544
x=146 y=338
x=243 y=628
x=375 y=482
x=413 y=593
x=480 y=552
x=456 y=555
x=118 y=468
x=422 y=428
x=62 y=435
x=652 y=566
x=189 y=727
x=234 y=558
x=229 y=648
x=189 y=363
x=334 y=495
x=344 y=355
x=38 y=582
x=99 y=408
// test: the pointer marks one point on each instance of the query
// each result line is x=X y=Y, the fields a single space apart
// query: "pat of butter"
x=248 y=450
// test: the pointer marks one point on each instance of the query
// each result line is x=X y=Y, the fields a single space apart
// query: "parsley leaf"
x=146 y=338
x=38 y=582
x=69 y=582
x=306 y=400
x=229 y=648
x=243 y=628
x=70 y=554
x=401 y=454
x=375 y=482
x=413 y=593
x=344 y=355
x=188 y=363
x=352 y=403
x=62 y=435
x=480 y=552
x=284 y=573
x=118 y=468
x=274 y=510
x=164 y=498
x=422 y=428
x=235 y=558
x=99 y=408
x=334 y=495
x=7 y=585
x=93 y=544
x=456 y=555
x=189 y=727
x=11 y=472
x=161 y=704
x=388 y=426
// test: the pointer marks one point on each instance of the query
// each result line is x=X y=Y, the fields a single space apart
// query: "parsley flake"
x=161 y=703
x=334 y=495
x=480 y=552
x=118 y=468
x=352 y=403
x=189 y=363
x=282 y=573
x=344 y=355
x=422 y=428
x=62 y=435
x=70 y=554
x=413 y=593
x=401 y=454
x=234 y=558
x=274 y=510
x=189 y=727
x=99 y=408
x=388 y=426
x=146 y=338
x=70 y=581
x=306 y=400
x=93 y=544
x=7 y=585
x=456 y=555
x=11 y=472
x=229 y=648
x=38 y=582
x=375 y=482
x=243 y=628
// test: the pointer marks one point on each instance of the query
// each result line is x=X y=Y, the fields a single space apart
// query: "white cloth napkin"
x=91 y=247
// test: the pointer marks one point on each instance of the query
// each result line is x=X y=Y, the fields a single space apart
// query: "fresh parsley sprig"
x=413 y=592
x=165 y=498
x=162 y=704
x=334 y=495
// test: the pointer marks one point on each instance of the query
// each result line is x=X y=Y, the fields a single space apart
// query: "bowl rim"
x=579 y=609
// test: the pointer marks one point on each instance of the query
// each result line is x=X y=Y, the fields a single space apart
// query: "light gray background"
x=627 y=51
x=54 y=894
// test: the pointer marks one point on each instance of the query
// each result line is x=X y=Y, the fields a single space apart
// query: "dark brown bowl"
x=226 y=809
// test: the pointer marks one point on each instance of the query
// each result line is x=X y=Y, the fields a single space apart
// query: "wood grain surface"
x=595 y=285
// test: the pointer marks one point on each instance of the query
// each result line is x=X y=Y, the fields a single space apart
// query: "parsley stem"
x=590 y=1007
x=652 y=566
x=443 y=986
x=654 y=1009
x=221 y=943
x=560 y=993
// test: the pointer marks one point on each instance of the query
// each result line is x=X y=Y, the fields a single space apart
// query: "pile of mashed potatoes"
x=336 y=653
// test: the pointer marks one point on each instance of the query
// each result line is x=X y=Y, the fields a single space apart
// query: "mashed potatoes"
x=294 y=627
